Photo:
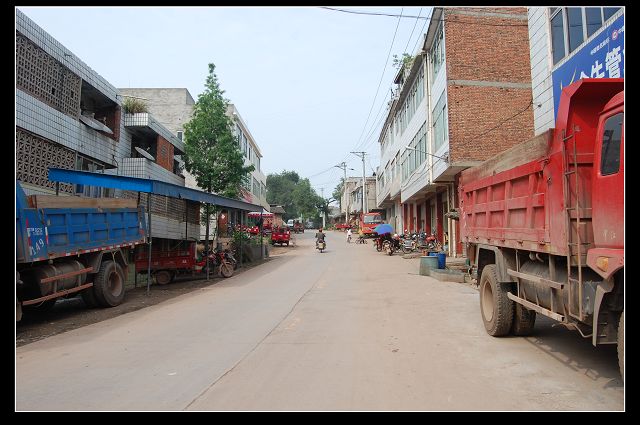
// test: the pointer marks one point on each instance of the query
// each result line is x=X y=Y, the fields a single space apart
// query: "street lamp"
x=445 y=159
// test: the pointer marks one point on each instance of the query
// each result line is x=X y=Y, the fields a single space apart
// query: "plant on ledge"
x=131 y=105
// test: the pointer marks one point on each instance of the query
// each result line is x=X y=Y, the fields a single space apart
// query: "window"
x=179 y=134
x=610 y=162
x=437 y=53
x=574 y=22
x=594 y=19
x=440 y=122
x=609 y=12
x=571 y=26
x=557 y=36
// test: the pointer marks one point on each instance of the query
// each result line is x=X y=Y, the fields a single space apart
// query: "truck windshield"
x=372 y=219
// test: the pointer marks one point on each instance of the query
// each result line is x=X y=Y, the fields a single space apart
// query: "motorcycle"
x=321 y=245
x=432 y=243
x=222 y=262
x=409 y=244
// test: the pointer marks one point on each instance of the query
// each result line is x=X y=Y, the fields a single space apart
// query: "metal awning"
x=155 y=187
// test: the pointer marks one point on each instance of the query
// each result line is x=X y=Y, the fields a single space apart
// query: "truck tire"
x=163 y=277
x=523 y=320
x=495 y=307
x=621 y=345
x=108 y=285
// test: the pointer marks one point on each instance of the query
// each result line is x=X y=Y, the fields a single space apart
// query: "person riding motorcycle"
x=319 y=236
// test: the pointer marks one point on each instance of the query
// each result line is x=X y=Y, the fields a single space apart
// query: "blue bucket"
x=442 y=259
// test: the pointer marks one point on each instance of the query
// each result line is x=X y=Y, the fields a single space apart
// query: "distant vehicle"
x=369 y=221
x=298 y=227
x=280 y=235
x=290 y=223
x=309 y=225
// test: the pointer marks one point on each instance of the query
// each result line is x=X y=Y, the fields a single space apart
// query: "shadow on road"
x=571 y=350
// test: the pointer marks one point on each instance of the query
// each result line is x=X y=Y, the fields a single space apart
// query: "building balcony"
x=145 y=126
x=146 y=169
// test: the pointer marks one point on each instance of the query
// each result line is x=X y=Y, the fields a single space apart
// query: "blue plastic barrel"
x=442 y=260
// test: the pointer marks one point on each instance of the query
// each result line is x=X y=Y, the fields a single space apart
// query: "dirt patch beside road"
x=72 y=313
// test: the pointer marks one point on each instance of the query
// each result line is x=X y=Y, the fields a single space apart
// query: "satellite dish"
x=145 y=154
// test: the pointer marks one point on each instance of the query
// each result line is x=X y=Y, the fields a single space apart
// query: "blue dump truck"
x=68 y=245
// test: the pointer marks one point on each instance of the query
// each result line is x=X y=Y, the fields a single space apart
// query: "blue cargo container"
x=60 y=251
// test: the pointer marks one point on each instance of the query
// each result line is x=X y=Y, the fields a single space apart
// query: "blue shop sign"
x=602 y=57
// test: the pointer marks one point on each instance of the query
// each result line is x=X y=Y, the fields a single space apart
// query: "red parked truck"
x=369 y=221
x=544 y=222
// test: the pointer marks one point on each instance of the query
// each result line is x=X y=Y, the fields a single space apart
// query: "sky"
x=311 y=84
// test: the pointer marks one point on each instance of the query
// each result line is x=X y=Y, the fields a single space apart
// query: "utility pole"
x=323 y=215
x=343 y=167
x=364 y=183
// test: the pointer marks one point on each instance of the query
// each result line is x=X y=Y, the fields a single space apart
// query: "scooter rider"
x=319 y=236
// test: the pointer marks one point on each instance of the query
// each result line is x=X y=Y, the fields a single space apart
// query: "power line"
x=457 y=21
x=321 y=172
x=504 y=121
x=381 y=78
x=390 y=86
x=412 y=30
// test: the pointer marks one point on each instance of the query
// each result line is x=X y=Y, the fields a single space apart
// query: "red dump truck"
x=544 y=222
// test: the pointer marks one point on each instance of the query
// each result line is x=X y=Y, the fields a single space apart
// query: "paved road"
x=348 y=329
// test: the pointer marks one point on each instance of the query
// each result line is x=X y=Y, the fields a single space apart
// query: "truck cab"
x=369 y=221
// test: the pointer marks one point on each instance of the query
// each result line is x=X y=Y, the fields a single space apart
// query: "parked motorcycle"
x=409 y=244
x=221 y=261
x=432 y=243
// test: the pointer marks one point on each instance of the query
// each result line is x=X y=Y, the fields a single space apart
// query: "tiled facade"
x=53 y=89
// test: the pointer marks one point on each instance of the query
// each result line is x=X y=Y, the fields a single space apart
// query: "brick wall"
x=164 y=154
x=475 y=110
x=489 y=77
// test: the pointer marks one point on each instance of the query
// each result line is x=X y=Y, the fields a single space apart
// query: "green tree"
x=211 y=151
x=296 y=195
x=338 y=192
x=405 y=60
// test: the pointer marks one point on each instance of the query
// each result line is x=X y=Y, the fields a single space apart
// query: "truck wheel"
x=496 y=308
x=226 y=269
x=163 y=277
x=621 y=345
x=523 y=320
x=108 y=285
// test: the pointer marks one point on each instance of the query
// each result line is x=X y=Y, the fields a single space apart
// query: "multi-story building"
x=68 y=116
x=569 y=43
x=351 y=199
x=173 y=107
x=465 y=97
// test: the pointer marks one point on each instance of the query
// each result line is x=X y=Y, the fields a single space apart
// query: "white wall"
x=540 y=53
